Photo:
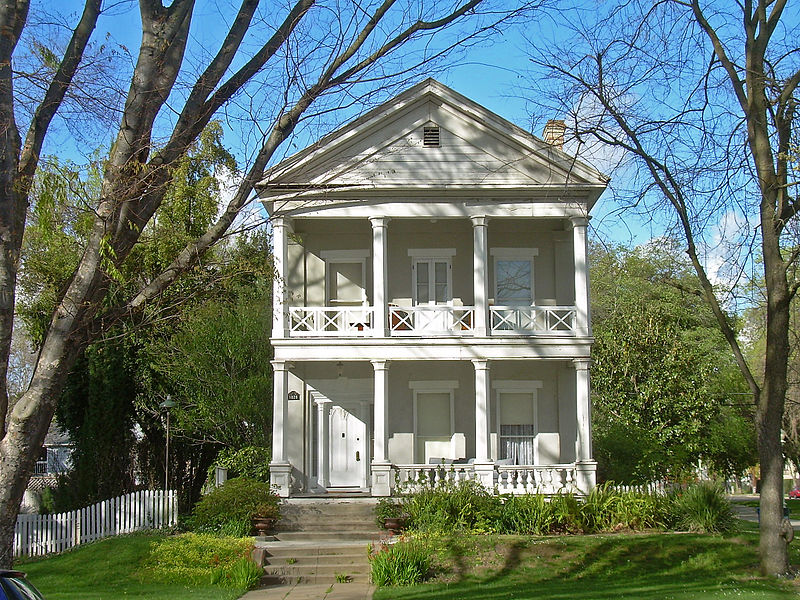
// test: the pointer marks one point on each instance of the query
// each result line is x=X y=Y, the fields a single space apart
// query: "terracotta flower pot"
x=394 y=524
x=264 y=525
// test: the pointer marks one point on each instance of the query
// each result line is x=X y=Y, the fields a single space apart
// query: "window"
x=431 y=270
x=345 y=277
x=513 y=276
x=517 y=418
x=516 y=443
x=434 y=420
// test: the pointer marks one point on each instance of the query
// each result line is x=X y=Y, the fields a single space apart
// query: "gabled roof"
x=385 y=150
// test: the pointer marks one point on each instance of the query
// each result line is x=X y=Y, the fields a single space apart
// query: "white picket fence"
x=37 y=535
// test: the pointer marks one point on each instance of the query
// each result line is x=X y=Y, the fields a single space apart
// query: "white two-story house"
x=431 y=303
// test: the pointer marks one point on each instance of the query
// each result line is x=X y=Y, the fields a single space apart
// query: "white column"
x=323 y=441
x=379 y=268
x=280 y=469
x=582 y=318
x=381 y=415
x=482 y=421
x=280 y=405
x=586 y=468
x=480 y=254
x=583 y=445
x=281 y=227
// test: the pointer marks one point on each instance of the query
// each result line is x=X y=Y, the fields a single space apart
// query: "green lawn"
x=109 y=569
x=642 y=566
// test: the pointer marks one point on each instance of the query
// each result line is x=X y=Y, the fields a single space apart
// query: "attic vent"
x=430 y=137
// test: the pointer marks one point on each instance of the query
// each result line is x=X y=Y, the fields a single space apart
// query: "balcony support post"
x=281 y=228
x=380 y=326
x=585 y=467
x=480 y=257
x=279 y=468
x=381 y=469
x=484 y=467
x=583 y=326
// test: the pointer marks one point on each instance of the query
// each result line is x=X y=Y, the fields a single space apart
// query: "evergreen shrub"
x=227 y=510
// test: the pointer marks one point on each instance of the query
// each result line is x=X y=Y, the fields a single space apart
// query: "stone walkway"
x=306 y=591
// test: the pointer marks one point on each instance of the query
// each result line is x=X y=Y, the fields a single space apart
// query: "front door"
x=348 y=442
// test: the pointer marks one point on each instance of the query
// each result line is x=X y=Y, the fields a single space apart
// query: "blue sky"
x=493 y=75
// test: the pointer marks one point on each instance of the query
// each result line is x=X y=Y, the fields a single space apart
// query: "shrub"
x=250 y=461
x=448 y=507
x=404 y=563
x=527 y=515
x=227 y=510
x=703 y=508
x=200 y=559
x=387 y=508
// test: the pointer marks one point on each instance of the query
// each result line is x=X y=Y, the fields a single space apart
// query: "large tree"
x=665 y=389
x=699 y=100
x=288 y=63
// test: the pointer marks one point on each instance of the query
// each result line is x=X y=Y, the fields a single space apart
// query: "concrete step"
x=324 y=537
x=267 y=580
x=278 y=552
x=320 y=559
x=293 y=571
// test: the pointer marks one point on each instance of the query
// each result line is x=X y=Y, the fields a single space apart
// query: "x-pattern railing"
x=533 y=319
x=330 y=321
x=433 y=319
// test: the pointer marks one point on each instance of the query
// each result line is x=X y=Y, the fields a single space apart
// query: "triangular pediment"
x=387 y=148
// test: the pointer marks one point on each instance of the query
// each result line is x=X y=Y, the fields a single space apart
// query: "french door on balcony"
x=433 y=284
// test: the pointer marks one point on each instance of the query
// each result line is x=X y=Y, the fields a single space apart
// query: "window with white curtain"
x=517 y=420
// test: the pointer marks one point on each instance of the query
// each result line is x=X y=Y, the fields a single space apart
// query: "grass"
x=110 y=569
x=642 y=566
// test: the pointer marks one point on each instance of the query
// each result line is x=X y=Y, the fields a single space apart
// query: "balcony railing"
x=507 y=479
x=532 y=320
x=315 y=321
x=431 y=320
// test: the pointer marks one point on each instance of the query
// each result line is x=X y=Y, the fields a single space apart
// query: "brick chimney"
x=554 y=131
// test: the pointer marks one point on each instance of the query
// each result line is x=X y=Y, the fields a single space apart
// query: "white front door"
x=348 y=442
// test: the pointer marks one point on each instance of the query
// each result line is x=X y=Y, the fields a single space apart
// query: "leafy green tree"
x=661 y=368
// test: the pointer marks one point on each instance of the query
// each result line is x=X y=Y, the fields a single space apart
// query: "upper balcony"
x=430 y=321
x=423 y=278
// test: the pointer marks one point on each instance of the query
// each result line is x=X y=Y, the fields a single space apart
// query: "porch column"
x=381 y=468
x=484 y=467
x=281 y=228
x=480 y=253
x=279 y=468
x=586 y=468
x=379 y=268
x=323 y=440
x=582 y=318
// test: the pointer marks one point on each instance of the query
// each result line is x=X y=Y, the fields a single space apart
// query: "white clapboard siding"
x=37 y=535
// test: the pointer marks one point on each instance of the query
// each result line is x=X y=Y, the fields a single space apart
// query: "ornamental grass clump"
x=403 y=563
x=703 y=508
x=463 y=506
x=531 y=514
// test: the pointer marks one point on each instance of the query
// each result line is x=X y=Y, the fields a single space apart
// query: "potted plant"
x=265 y=516
x=390 y=515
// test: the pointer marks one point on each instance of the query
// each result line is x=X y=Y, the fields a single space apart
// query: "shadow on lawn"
x=646 y=567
